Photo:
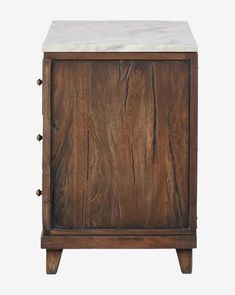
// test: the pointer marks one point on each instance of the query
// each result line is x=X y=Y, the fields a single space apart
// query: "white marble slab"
x=119 y=36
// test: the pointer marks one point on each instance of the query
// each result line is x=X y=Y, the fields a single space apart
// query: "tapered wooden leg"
x=185 y=257
x=53 y=260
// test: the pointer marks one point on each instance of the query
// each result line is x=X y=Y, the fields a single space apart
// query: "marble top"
x=119 y=36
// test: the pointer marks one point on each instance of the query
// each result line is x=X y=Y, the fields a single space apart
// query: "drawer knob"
x=39 y=82
x=39 y=137
x=38 y=192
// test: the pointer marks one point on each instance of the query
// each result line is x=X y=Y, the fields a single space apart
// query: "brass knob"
x=39 y=82
x=38 y=192
x=39 y=137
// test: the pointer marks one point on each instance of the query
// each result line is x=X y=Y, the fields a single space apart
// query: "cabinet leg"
x=53 y=260
x=185 y=257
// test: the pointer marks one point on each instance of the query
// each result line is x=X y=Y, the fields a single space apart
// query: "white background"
x=23 y=26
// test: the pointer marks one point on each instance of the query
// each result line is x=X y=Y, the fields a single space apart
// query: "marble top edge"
x=119 y=36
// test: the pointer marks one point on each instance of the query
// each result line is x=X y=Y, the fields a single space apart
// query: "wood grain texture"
x=122 y=231
x=120 y=55
x=53 y=257
x=185 y=258
x=193 y=141
x=46 y=163
x=116 y=242
x=120 y=144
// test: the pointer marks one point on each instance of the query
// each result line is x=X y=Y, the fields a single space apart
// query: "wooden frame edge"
x=120 y=55
x=46 y=150
x=117 y=242
x=193 y=132
x=119 y=232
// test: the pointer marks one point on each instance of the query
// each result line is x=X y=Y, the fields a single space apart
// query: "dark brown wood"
x=193 y=142
x=53 y=260
x=115 y=242
x=120 y=55
x=185 y=260
x=46 y=162
x=120 y=144
x=123 y=231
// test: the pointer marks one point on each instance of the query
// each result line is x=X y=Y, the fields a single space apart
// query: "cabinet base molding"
x=117 y=242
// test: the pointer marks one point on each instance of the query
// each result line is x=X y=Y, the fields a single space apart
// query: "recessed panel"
x=120 y=144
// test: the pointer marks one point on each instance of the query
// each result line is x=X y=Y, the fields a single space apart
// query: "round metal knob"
x=39 y=137
x=39 y=82
x=38 y=192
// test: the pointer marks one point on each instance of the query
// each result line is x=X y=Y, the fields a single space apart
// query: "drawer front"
x=119 y=144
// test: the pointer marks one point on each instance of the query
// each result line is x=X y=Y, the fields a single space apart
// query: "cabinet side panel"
x=120 y=144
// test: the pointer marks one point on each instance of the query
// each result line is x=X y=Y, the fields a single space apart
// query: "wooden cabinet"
x=119 y=151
